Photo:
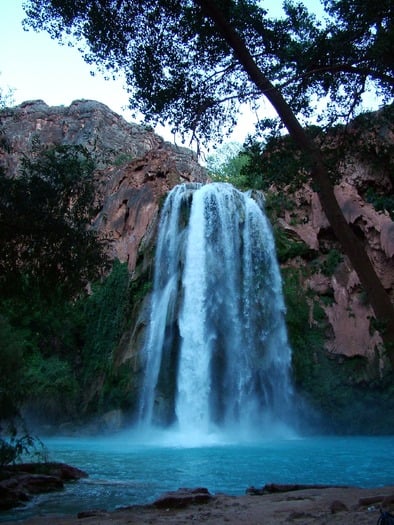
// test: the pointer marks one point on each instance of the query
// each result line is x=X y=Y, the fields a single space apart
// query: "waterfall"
x=216 y=354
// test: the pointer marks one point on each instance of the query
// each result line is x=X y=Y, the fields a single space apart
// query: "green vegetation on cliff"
x=353 y=395
x=193 y=65
x=57 y=339
x=57 y=358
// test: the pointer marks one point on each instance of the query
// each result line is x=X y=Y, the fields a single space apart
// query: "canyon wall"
x=136 y=168
x=360 y=162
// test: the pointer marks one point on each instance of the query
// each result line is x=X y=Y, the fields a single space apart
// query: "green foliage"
x=116 y=389
x=232 y=172
x=49 y=336
x=123 y=158
x=106 y=313
x=227 y=164
x=330 y=263
x=140 y=288
x=59 y=358
x=258 y=165
x=277 y=202
x=277 y=162
x=180 y=67
x=45 y=241
x=50 y=380
x=305 y=336
x=48 y=327
x=381 y=202
x=12 y=345
x=287 y=247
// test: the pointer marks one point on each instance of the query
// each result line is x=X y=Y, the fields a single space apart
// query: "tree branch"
x=346 y=68
x=351 y=245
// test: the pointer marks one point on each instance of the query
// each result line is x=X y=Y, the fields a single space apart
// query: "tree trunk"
x=351 y=244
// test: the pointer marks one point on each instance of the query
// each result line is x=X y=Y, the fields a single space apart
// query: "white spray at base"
x=216 y=358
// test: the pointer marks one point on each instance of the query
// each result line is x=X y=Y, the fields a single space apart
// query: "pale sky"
x=37 y=67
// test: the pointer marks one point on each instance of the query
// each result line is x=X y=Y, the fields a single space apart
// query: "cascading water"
x=216 y=355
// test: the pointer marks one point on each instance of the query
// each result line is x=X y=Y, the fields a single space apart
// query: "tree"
x=45 y=212
x=191 y=63
x=11 y=366
x=6 y=97
x=228 y=164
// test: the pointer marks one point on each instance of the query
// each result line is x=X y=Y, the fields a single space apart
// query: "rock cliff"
x=361 y=161
x=348 y=314
x=136 y=167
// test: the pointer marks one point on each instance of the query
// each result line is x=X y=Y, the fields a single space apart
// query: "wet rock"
x=272 y=488
x=337 y=506
x=18 y=483
x=60 y=470
x=92 y=513
x=11 y=496
x=182 y=498
x=253 y=491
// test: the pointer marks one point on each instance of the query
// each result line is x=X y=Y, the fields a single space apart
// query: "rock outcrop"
x=20 y=482
x=360 y=166
x=349 y=314
x=136 y=167
x=183 y=497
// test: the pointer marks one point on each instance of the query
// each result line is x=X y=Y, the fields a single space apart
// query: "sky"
x=37 y=67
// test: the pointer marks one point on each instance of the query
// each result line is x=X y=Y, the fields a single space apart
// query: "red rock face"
x=136 y=167
x=349 y=315
x=131 y=196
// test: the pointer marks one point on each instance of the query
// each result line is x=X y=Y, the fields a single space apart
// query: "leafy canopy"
x=45 y=213
x=180 y=70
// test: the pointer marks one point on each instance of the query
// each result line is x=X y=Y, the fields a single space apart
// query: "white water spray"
x=217 y=355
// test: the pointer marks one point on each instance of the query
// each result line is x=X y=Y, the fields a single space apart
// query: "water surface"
x=124 y=471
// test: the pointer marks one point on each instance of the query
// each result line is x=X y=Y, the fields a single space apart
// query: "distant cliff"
x=136 y=168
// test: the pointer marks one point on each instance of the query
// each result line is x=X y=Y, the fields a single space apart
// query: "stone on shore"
x=182 y=498
x=18 y=483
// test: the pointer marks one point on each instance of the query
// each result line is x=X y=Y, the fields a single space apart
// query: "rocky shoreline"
x=272 y=504
x=19 y=483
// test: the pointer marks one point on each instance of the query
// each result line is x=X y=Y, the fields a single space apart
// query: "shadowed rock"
x=18 y=483
x=182 y=498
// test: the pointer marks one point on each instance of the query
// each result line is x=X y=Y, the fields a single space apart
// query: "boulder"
x=18 y=483
x=182 y=498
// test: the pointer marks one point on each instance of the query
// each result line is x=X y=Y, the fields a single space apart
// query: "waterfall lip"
x=217 y=353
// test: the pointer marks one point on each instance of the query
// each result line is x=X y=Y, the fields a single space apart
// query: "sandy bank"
x=317 y=506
